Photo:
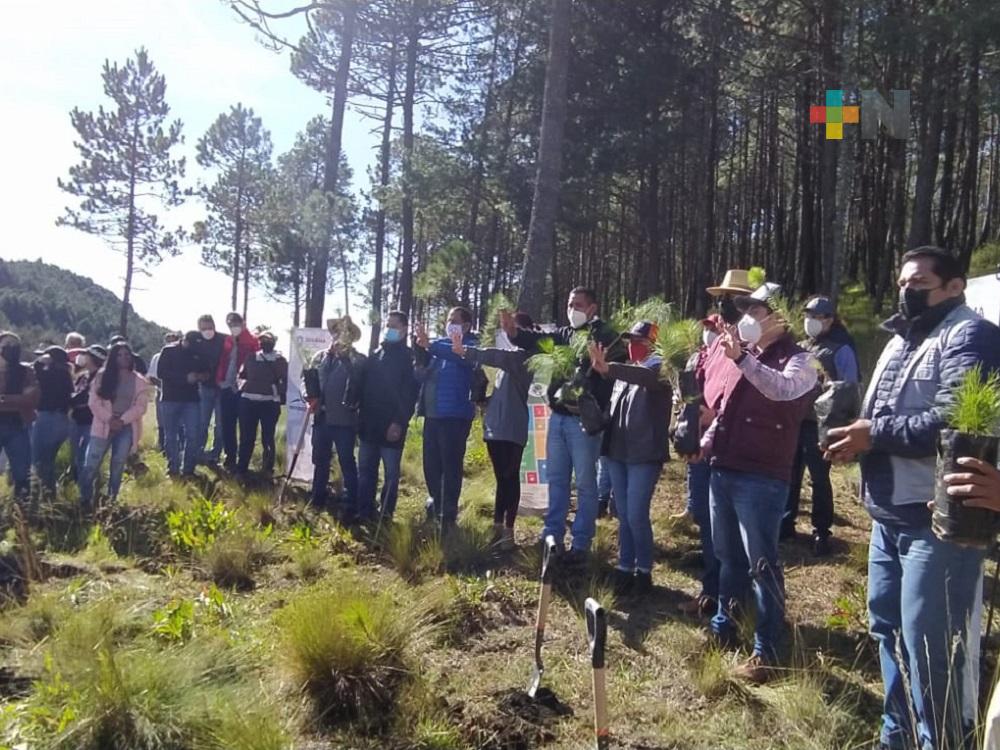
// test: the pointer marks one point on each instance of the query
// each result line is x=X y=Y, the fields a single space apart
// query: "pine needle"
x=975 y=409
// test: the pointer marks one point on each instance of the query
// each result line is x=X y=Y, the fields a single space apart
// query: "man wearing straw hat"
x=340 y=373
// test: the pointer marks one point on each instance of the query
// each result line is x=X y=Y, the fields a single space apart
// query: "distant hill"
x=42 y=303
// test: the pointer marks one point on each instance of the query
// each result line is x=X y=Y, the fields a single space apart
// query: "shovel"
x=597 y=636
x=295 y=457
x=544 y=597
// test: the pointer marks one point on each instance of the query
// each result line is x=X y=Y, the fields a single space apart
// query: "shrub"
x=352 y=647
x=232 y=559
x=198 y=527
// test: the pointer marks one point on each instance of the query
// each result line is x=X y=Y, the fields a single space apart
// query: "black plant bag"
x=951 y=520
x=837 y=406
x=593 y=418
x=687 y=432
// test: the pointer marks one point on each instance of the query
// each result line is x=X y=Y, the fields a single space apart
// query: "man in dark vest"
x=767 y=382
x=829 y=341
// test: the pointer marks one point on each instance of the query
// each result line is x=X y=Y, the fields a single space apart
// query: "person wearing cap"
x=140 y=363
x=210 y=402
x=337 y=374
x=388 y=400
x=573 y=442
x=236 y=348
x=833 y=347
x=263 y=383
x=699 y=473
x=180 y=369
x=636 y=444
x=445 y=402
x=118 y=400
x=766 y=388
x=90 y=361
x=170 y=337
x=505 y=423
x=19 y=395
x=51 y=427
x=924 y=594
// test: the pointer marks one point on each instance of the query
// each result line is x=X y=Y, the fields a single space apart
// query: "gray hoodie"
x=507 y=413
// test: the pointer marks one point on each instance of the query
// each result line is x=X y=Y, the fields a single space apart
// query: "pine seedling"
x=975 y=408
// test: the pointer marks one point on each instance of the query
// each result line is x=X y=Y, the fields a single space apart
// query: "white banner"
x=983 y=295
x=306 y=342
x=534 y=475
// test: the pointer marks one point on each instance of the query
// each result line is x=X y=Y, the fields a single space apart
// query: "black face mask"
x=267 y=346
x=914 y=302
x=11 y=353
x=729 y=311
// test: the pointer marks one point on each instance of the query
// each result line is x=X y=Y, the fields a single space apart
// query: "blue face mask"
x=392 y=336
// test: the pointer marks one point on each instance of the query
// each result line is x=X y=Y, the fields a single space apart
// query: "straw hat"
x=736 y=281
x=344 y=328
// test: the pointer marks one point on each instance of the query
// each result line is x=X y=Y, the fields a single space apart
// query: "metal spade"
x=544 y=597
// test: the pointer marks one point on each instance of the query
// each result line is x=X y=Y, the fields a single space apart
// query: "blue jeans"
x=79 y=436
x=746 y=521
x=569 y=450
x=929 y=592
x=180 y=435
x=369 y=455
x=698 y=476
x=209 y=405
x=605 y=485
x=15 y=442
x=49 y=431
x=229 y=410
x=120 y=444
x=325 y=438
x=634 y=485
x=445 y=440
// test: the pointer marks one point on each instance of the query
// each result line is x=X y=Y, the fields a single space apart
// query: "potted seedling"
x=973 y=424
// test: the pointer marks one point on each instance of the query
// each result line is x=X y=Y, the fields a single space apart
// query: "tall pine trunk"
x=380 y=218
x=331 y=169
x=130 y=229
x=409 y=96
x=541 y=229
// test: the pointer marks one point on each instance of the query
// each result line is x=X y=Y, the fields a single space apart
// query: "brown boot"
x=701 y=606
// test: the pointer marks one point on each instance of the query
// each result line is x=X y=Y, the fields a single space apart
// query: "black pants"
x=229 y=408
x=809 y=455
x=444 y=455
x=506 y=459
x=252 y=413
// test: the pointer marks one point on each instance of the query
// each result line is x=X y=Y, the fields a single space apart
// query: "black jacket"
x=564 y=394
x=389 y=395
x=640 y=414
x=176 y=363
x=56 y=386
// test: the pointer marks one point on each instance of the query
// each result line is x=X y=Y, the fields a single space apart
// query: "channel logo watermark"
x=874 y=112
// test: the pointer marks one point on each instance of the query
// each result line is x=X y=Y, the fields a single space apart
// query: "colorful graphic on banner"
x=305 y=343
x=534 y=478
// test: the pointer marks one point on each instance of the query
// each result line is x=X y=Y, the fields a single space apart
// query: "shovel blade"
x=536 y=681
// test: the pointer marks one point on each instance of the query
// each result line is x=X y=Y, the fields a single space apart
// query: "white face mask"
x=814 y=327
x=208 y=334
x=236 y=330
x=80 y=360
x=454 y=328
x=749 y=328
x=577 y=318
x=708 y=337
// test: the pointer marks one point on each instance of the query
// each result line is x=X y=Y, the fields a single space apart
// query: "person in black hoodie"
x=833 y=347
x=51 y=427
x=181 y=368
x=573 y=444
x=387 y=403
x=18 y=399
x=81 y=418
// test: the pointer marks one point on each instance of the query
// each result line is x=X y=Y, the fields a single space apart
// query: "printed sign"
x=982 y=294
x=534 y=478
x=306 y=342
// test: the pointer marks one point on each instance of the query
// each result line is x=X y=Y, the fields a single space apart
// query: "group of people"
x=610 y=418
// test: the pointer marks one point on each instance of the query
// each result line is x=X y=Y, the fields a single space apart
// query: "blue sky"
x=52 y=53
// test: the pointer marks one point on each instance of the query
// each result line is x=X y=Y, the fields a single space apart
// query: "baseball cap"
x=644 y=329
x=821 y=306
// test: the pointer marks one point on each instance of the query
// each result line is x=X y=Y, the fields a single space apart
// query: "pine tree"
x=126 y=169
x=239 y=148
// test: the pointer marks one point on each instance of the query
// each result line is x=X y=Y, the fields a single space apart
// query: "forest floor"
x=199 y=615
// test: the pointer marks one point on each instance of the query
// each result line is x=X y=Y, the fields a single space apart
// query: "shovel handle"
x=602 y=734
x=597 y=631
x=548 y=559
